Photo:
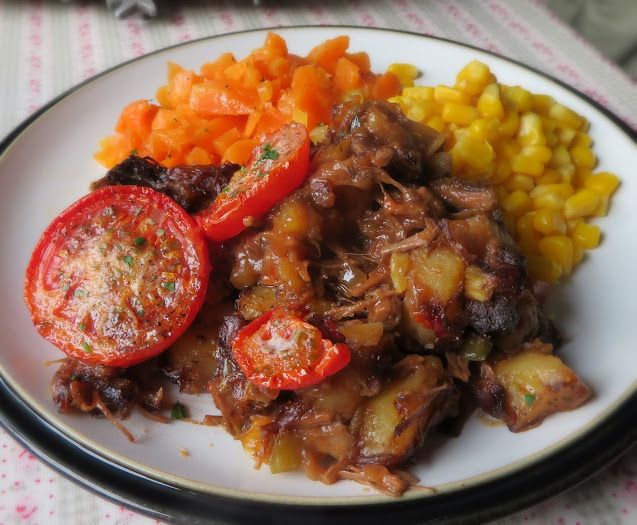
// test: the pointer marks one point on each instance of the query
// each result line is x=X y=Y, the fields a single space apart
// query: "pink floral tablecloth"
x=47 y=46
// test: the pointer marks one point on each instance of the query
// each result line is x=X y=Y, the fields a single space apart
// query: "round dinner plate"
x=46 y=164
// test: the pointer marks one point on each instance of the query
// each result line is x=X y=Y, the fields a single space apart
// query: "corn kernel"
x=580 y=204
x=476 y=72
x=586 y=235
x=602 y=208
x=603 y=183
x=527 y=165
x=550 y=176
x=460 y=114
x=543 y=268
x=485 y=129
x=551 y=139
x=565 y=116
x=444 y=94
x=501 y=170
x=582 y=157
x=517 y=203
x=519 y=181
x=542 y=103
x=489 y=104
x=520 y=96
x=563 y=190
x=566 y=173
x=509 y=123
x=580 y=177
x=501 y=193
x=581 y=139
x=560 y=249
x=406 y=73
x=436 y=123
x=549 y=201
x=565 y=135
x=549 y=222
x=470 y=88
x=419 y=92
x=420 y=110
x=559 y=157
x=478 y=154
x=571 y=224
x=530 y=130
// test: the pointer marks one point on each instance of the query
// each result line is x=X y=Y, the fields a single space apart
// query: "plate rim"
x=605 y=433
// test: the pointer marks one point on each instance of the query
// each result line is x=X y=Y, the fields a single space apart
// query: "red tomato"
x=275 y=169
x=117 y=276
x=281 y=351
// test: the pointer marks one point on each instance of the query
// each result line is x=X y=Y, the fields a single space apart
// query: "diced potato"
x=537 y=385
x=439 y=272
x=362 y=334
x=254 y=302
x=396 y=420
x=286 y=454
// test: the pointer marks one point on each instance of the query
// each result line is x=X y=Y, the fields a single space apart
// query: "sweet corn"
x=443 y=94
x=558 y=248
x=489 y=104
x=549 y=222
x=461 y=114
x=517 y=203
x=406 y=73
x=586 y=235
x=582 y=157
x=602 y=183
x=582 y=203
x=536 y=153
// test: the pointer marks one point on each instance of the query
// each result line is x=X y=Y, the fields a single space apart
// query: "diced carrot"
x=386 y=86
x=346 y=76
x=275 y=45
x=162 y=96
x=165 y=119
x=112 y=150
x=216 y=98
x=197 y=155
x=172 y=70
x=240 y=151
x=327 y=53
x=216 y=70
x=181 y=86
x=361 y=59
x=313 y=93
x=224 y=141
x=137 y=115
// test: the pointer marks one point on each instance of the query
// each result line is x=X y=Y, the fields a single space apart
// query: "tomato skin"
x=265 y=181
x=118 y=276
x=291 y=362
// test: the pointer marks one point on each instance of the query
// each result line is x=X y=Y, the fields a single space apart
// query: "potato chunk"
x=537 y=385
x=439 y=273
x=396 y=420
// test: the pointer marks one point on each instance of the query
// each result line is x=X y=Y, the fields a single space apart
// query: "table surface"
x=89 y=39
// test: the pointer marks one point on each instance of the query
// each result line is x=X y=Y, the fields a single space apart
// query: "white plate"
x=47 y=164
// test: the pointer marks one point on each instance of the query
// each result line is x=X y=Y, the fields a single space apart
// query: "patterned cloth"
x=47 y=47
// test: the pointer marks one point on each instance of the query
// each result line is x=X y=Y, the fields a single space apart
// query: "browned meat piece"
x=192 y=187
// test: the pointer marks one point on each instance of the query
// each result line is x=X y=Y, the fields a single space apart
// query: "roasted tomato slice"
x=281 y=351
x=117 y=276
x=275 y=169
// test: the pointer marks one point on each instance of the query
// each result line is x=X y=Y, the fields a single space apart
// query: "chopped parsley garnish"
x=269 y=153
x=65 y=287
x=170 y=286
x=178 y=411
x=87 y=347
x=133 y=152
x=226 y=189
x=242 y=169
x=138 y=211
x=160 y=232
x=260 y=174
x=79 y=293
x=320 y=124
x=82 y=327
x=342 y=134
x=529 y=399
x=139 y=241
x=206 y=130
x=140 y=313
x=128 y=259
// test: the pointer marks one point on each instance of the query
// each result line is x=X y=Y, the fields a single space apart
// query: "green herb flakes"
x=139 y=241
x=65 y=287
x=160 y=232
x=128 y=259
x=133 y=152
x=82 y=327
x=138 y=211
x=170 y=286
x=87 y=347
x=178 y=411
x=269 y=153
x=529 y=399
x=79 y=293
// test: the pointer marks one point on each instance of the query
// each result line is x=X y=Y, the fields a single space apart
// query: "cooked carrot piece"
x=326 y=54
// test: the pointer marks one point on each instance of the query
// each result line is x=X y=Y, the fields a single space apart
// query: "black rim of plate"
x=521 y=487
